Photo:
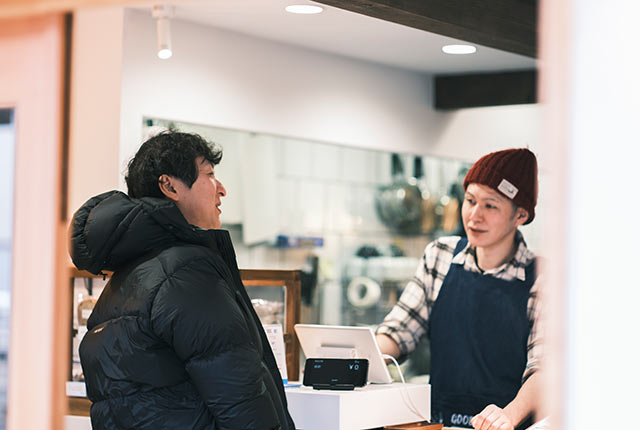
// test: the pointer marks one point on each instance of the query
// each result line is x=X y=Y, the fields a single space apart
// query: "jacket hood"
x=113 y=229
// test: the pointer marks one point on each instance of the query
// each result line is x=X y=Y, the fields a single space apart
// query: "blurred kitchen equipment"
x=456 y=192
x=368 y=251
x=399 y=204
x=450 y=214
x=330 y=293
x=430 y=218
x=363 y=292
x=372 y=280
x=269 y=312
x=85 y=307
x=309 y=279
x=448 y=207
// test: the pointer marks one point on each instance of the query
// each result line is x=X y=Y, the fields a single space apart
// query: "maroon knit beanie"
x=512 y=172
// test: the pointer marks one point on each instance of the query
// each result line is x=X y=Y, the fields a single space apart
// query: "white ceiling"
x=346 y=33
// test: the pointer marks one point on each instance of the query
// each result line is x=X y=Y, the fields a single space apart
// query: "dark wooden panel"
x=508 y=25
x=486 y=89
x=6 y=116
x=66 y=119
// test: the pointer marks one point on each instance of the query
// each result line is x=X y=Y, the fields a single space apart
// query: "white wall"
x=225 y=79
x=470 y=133
x=229 y=80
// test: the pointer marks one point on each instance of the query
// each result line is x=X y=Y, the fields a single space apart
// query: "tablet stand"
x=328 y=351
x=341 y=387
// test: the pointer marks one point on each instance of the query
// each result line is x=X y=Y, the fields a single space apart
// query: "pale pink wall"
x=592 y=95
x=95 y=103
x=30 y=72
x=553 y=88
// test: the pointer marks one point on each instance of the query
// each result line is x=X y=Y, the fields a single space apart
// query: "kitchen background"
x=331 y=211
x=308 y=139
x=296 y=204
x=345 y=216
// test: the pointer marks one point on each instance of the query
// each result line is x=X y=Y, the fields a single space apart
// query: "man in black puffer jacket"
x=173 y=341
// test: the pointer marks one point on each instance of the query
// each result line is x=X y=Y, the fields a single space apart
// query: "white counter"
x=367 y=407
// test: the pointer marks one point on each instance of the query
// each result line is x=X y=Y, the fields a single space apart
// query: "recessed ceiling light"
x=458 y=49
x=164 y=53
x=303 y=9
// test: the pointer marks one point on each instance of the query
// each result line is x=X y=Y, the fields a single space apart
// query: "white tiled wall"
x=326 y=162
x=329 y=191
x=323 y=190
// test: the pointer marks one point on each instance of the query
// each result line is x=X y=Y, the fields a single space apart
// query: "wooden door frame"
x=33 y=72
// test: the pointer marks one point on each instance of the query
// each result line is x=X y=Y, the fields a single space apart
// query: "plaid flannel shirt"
x=408 y=321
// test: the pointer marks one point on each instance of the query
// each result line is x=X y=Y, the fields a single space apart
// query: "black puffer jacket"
x=173 y=341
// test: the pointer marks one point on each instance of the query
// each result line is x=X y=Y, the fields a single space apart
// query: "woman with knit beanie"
x=475 y=299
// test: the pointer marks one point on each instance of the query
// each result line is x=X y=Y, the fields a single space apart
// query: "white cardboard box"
x=76 y=389
x=363 y=408
x=72 y=422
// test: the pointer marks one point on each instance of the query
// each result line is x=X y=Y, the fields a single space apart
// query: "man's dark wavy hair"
x=173 y=153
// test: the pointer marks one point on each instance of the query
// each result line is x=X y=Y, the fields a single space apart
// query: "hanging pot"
x=399 y=204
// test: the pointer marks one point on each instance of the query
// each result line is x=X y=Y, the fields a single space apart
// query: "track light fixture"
x=163 y=15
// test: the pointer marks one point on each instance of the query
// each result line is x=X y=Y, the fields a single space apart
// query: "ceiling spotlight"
x=306 y=9
x=458 y=49
x=163 y=15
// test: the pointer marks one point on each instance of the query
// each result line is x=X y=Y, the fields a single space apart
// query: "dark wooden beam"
x=6 y=116
x=508 y=25
x=486 y=89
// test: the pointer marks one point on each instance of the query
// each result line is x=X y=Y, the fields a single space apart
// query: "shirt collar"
x=513 y=269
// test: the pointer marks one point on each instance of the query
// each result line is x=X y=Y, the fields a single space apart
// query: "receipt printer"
x=335 y=373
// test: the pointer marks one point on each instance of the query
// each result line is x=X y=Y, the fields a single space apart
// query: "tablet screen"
x=327 y=341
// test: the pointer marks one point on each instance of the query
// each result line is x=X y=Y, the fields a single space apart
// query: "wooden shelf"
x=79 y=406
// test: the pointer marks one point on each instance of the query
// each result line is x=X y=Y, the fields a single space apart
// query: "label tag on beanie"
x=508 y=189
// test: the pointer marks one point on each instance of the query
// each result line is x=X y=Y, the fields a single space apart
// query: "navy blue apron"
x=478 y=329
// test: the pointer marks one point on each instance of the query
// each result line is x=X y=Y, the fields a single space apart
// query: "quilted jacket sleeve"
x=198 y=314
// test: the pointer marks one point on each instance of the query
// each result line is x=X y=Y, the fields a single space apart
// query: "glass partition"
x=354 y=220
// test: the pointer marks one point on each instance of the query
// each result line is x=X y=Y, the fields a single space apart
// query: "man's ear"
x=522 y=215
x=167 y=187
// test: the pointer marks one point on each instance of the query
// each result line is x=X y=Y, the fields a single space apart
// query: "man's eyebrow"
x=205 y=164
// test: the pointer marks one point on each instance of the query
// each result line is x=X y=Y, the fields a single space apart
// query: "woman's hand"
x=492 y=418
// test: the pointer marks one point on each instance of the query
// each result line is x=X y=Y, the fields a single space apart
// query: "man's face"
x=200 y=204
x=489 y=217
